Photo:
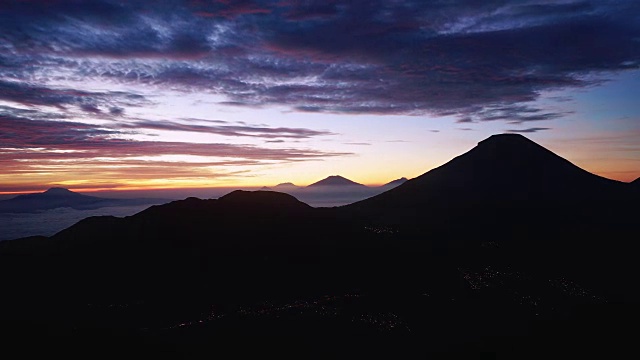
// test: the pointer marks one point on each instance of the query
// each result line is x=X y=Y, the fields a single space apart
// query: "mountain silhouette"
x=287 y=186
x=515 y=194
x=394 y=183
x=335 y=180
x=271 y=200
x=507 y=168
x=508 y=238
x=58 y=191
x=59 y=197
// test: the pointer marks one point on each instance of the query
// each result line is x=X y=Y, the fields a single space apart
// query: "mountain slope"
x=240 y=219
x=505 y=239
x=394 y=183
x=503 y=168
x=535 y=208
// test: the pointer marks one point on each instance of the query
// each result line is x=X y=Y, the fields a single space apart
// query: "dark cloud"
x=87 y=101
x=229 y=9
x=76 y=140
x=462 y=58
x=20 y=133
x=300 y=10
x=116 y=111
x=513 y=114
x=529 y=130
x=227 y=130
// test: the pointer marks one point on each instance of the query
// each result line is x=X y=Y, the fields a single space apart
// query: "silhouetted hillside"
x=507 y=247
x=505 y=179
x=60 y=197
x=511 y=193
x=286 y=186
x=394 y=183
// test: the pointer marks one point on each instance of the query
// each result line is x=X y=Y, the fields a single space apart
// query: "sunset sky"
x=171 y=94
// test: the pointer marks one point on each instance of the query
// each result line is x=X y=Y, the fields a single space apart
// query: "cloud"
x=45 y=146
x=87 y=101
x=529 y=130
x=358 y=143
x=460 y=58
x=513 y=114
x=72 y=139
x=227 y=130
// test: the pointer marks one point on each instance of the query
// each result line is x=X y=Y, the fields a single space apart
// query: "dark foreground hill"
x=60 y=197
x=507 y=249
x=530 y=204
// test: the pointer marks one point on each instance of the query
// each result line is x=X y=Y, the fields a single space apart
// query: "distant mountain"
x=287 y=186
x=337 y=181
x=636 y=182
x=394 y=183
x=332 y=191
x=60 y=197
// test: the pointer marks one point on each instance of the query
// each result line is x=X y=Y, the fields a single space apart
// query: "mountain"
x=59 y=197
x=636 y=182
x=337 y=181
x=505 y=168
x=514 y=194
x=394 y=183
x=287 y=186
x=511 y=243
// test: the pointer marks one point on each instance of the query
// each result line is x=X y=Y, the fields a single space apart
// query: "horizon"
x=186 y=189
x=217 y=191
x=179 y=96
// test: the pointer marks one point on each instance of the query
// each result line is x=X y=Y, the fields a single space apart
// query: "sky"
x=124 y=95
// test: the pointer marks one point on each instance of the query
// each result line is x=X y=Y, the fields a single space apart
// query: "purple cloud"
x=461 y=58
x=529 y=130
x=226 y=130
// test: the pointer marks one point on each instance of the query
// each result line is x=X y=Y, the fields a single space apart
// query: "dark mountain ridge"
x=506 y=171
x=394 y=183
x=506 y=239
